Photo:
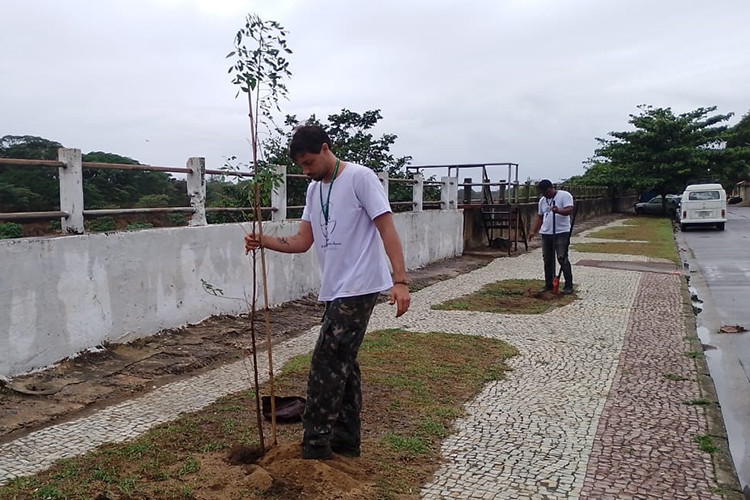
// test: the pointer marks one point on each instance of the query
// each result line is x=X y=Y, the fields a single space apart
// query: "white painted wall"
x=59 y=296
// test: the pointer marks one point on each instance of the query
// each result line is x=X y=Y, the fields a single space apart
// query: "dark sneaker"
x=567 y=290
x=316 y=452
x=346 y=451
x=546 y=289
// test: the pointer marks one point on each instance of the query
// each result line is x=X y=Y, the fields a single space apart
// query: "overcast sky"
x=531 y=82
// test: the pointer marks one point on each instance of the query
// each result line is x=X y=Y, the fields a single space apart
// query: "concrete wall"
x=59 y=296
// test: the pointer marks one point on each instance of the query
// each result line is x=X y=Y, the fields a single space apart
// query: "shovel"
x=556 y=280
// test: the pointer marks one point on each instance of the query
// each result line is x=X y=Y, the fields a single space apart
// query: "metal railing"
x=60 y=165
x=505 y=191
x=72 y=212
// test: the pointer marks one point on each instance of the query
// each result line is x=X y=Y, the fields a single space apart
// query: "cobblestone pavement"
x=645 y=439
x=594 y=407
x=38 y=450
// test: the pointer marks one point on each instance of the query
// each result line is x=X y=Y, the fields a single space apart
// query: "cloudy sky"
x=526 y=81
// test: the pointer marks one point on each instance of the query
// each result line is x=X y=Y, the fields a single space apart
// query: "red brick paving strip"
x=644 y=446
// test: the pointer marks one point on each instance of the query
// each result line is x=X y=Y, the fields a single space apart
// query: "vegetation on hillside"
x=36 y=189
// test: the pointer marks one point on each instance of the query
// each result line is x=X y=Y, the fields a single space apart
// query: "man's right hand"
x=531 y=235
x=252 y=242
x=299 y=243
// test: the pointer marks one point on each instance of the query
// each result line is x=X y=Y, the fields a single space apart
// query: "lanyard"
x=330 y=188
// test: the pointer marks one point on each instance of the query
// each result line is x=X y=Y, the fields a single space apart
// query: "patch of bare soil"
x=282 y=473
x=514 y=296
x=120 y=371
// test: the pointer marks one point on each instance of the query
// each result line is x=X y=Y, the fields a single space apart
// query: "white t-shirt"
x=562 y=199
x=348 y=245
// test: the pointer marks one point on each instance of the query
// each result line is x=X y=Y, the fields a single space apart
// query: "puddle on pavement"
x=719 y=360
x=696 y=302
x=735 y=425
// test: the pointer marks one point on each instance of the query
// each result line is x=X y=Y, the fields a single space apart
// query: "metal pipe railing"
x=229 y=172
x=127 y=166
x=127 y=211
x=13 y=216
x=15 y=162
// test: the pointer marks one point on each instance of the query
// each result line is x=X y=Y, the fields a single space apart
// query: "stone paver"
x=645 y=445
x=585 y=413
x=531 y=434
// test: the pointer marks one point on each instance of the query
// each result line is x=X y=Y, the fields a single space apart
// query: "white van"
x=704 y=204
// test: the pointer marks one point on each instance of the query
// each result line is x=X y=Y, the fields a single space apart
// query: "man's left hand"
x=400 y=297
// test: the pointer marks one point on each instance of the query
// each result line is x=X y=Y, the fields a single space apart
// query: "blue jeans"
x=556 y=245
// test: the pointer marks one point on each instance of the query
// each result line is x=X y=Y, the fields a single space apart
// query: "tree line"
x=665 y=151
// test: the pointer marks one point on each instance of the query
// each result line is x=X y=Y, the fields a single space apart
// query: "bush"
x=103 y=224
x=10 y=230
x=177 y=219
x=139 y=225
x=228 y=217
x=153 y=201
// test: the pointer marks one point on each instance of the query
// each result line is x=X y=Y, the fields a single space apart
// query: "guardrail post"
x=448 y=193
x=417 y=193
x=383 y=176
x=468 y=190
x=196 y=190
x=71 y=190
x=278 y=196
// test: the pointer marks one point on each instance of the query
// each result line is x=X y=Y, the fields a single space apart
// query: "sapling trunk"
x=258 y=219
x=256 y=384
x=262 y=66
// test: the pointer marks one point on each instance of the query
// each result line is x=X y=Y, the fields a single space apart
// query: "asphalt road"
x=719 y=263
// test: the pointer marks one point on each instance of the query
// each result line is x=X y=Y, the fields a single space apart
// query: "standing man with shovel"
x=346 y=217
x=554 y=224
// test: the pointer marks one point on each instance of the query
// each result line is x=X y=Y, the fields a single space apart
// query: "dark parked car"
x=654 y=205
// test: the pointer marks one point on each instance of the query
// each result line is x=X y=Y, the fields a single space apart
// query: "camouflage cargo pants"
x=334 y=390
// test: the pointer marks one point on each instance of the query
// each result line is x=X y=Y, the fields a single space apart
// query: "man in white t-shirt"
x=554 y=210
x=346 y=216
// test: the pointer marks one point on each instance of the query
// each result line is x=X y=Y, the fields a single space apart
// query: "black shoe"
x=350 y=451
x=546 y=289
x=567 y=290
x=316 y=452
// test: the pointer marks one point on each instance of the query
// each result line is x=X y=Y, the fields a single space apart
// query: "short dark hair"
x=308 y=139
x=544 y=185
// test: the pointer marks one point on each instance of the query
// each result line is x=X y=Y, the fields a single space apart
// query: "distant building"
x=742 y=190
